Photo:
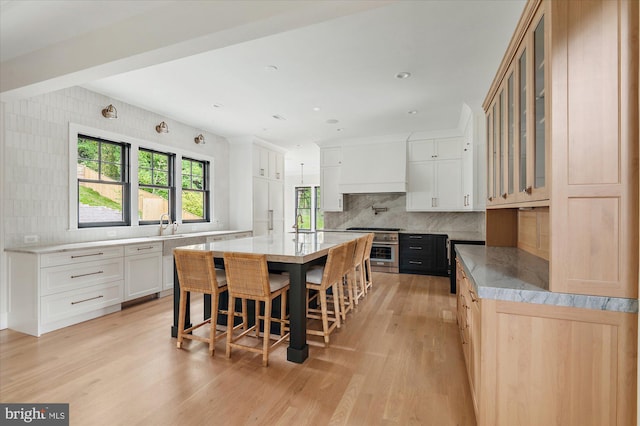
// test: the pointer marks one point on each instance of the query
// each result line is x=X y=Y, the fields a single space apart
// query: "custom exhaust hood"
x=374 y=168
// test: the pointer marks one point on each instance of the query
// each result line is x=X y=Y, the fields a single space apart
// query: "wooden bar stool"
x=368 y=283
x=248 y=278
x=321 y=280
x=360 y=274
x=197 y=273
x=346 y=288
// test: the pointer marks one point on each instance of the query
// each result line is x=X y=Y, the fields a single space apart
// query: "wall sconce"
x=162 y=128
x=199 y=139
x=110 y=112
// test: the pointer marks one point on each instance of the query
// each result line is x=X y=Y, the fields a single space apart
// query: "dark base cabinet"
x=424 y=254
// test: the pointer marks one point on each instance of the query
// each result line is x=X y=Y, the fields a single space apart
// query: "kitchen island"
x=286 y=252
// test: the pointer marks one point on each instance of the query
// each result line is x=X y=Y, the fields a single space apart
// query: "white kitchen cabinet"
x=143 y=269
x=330 y=173
x=260 y=161
x=331 y=200
x=435 y=186
x=468 y=170
x=435 y=149
x=268 y=207
x=53 y=290
x=276 y=166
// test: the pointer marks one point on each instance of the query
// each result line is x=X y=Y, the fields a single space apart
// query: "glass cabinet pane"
x=510 y=139
x=500 y=131
x=538 y=43
x=495 y=151
x=522 y=163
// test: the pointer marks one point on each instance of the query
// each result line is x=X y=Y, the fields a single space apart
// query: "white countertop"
x=116 y=242
x=283 y=247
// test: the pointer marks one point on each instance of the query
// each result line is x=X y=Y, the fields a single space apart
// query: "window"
x=156 y=188
x=310 y=217
x=195 y=190
x=103 y=183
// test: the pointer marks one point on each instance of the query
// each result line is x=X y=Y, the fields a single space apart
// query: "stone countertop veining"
x=508 y=273
x=116 y=242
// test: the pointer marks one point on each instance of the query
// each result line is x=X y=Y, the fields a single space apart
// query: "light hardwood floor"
x=397 y=361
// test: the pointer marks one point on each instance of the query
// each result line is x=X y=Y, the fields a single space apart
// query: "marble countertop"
x=116 y=242
x=508 y=273
x=282 y=247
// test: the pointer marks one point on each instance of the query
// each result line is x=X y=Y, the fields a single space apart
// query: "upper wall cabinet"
x=436 y=181
x=267 y=163
x=562 y=131
x=517 y=131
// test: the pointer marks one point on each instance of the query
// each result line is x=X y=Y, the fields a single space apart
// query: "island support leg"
x=298 y=349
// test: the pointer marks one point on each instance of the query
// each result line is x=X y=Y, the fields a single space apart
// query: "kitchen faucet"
x=299 y=221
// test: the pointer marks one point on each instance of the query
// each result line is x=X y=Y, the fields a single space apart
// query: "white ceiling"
x=344 y=66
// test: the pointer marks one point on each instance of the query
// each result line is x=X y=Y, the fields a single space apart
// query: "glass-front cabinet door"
x=517 y=132
x=539 y=168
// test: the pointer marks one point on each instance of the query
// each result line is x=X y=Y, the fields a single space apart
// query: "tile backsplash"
x=36 y=163
x=358 y=211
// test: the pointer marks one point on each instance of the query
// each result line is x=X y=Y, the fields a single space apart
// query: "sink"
x=173 y=236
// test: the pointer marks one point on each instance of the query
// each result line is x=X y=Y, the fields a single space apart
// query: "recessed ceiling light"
x=271 y=68
x=316 y=108
x=278 y=117
x=413 y=112
x=402 y=75
x=339 y=130
x=332 y=121
x=217 y=105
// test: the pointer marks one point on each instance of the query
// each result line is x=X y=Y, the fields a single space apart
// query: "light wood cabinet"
x=534 y=364
x=517 y=131
x=562 y=134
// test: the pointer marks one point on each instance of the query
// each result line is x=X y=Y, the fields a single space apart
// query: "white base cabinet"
x=54 y=290
x=142 y=270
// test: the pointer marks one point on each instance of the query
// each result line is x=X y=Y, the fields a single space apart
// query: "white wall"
x=35 y=167
x=3 y=278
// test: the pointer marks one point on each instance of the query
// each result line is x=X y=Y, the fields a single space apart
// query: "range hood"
x=374 y=168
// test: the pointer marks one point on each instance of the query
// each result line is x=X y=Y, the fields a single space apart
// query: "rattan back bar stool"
x=360 y=274
x=321 y=280
x=197 y=273
x=248 y=278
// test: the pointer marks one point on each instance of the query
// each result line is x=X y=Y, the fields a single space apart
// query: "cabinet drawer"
x=414 y=263
x=143 y=248
x=69 y=277
x=80 y=256
x=57 y=307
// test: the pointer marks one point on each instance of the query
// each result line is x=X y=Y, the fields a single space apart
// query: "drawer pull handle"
x=413 y=262
x=415 y=248
x=415 y=237
x=86 y=255
x=84 y=275
x=145 y=248
x=86 y=300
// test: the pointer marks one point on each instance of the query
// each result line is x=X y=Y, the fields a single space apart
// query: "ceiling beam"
x=176 y=31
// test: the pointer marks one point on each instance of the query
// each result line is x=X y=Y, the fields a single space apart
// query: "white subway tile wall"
x=36 y=163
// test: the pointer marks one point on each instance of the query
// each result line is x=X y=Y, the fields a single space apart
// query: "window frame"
x=314 y=207
x=124 y=183
x=171 y=171
x=205 y=189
